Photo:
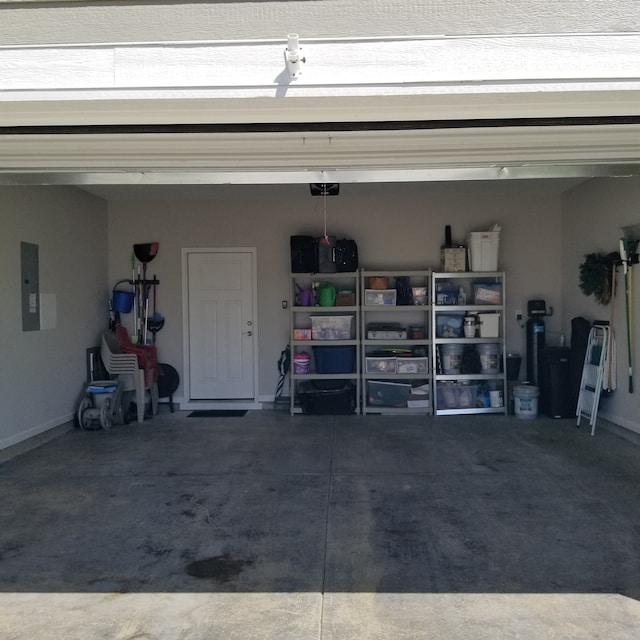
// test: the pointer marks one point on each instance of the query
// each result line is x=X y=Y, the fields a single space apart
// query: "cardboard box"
x=345 y=299
x=453 y=259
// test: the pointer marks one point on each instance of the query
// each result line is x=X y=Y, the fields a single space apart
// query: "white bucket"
x=525 y=399
x=451 y=358
x=489 y=357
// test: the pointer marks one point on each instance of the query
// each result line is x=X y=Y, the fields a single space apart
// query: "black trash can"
x=555 y=387
x=513 y=366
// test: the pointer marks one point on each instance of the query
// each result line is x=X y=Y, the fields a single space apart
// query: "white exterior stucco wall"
x=122 y=21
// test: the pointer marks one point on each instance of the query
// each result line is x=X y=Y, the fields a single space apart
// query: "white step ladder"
x=592 y=375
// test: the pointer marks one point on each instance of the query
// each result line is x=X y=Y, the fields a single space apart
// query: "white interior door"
x=221 y=324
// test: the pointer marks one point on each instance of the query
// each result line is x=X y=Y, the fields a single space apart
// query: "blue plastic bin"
x=335 y=359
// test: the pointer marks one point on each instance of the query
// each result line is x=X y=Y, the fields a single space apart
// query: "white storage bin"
x=377 y=297
x=331 y=327
x=380 y=365
x=489 y=325
x=457 y=396
x=411 y=365
x=483 y=250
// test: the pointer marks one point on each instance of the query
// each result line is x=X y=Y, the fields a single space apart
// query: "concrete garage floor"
x=331 y=528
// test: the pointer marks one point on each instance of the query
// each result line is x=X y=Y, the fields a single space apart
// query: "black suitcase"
x=326 y=253
x=346 y=255
x=303 y=254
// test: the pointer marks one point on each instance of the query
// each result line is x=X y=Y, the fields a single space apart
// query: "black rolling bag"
x=303 y=254
x=326 y=252
x=346 y=255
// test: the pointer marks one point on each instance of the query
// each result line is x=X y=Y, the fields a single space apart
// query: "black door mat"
x=218 y=413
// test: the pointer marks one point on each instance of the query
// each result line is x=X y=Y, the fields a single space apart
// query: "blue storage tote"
x=335 y=359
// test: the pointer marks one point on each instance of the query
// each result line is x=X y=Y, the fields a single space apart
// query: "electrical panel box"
x=30 y=286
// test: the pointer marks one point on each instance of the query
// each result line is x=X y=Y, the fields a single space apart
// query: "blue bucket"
x=122 y=301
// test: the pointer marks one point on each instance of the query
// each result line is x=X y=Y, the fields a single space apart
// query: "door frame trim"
x=186 y=403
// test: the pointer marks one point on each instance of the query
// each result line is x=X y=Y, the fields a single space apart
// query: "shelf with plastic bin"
x=481 y=289
x=484 y=299
x=470 y=376
x=469 y=394
x=393 y=325
x=307 y=294
x=322 y=327
x=397 y=394
x=463 y=341
x=392 y=308
x=324 y=343
x=335 y=310
x=466 y=308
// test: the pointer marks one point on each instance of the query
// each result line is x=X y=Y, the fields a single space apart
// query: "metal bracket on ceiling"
x=325 y=188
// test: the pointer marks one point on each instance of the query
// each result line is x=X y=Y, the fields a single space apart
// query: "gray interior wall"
x=593 y=214
x=41 y=372
x=125 y=21
x=395 y=225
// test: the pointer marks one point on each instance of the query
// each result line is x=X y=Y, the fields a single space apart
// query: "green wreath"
x=596 y=273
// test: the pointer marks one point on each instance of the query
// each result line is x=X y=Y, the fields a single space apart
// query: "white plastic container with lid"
x=470 y=323
x=483 y=250
x=489 y=325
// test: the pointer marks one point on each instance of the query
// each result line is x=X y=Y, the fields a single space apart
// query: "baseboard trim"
x=34 y=438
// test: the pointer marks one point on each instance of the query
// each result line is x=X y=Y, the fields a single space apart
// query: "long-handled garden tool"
x=610 y=375
x=629 y=257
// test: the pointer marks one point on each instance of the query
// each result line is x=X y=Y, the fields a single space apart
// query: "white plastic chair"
x=125 y=366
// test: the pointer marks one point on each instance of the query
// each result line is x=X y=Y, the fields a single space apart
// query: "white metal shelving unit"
x=406 y=316
x=300 y=318
x=458 y=393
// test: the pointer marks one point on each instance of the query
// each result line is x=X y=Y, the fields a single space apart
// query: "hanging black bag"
x=303 y=254
x=404 y=293
x=326 y=254
x=346 y=255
